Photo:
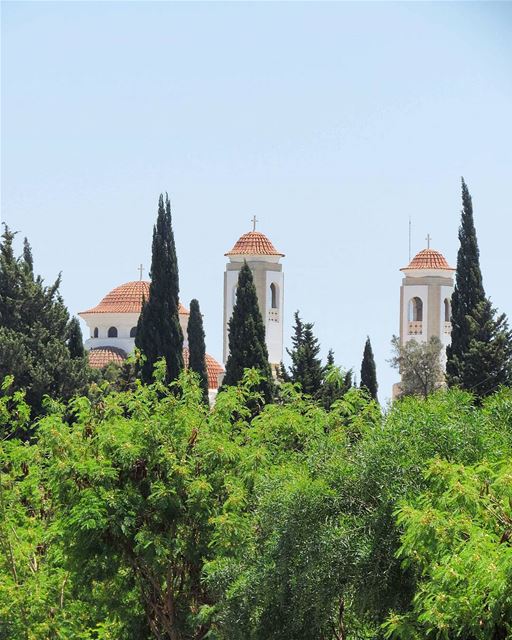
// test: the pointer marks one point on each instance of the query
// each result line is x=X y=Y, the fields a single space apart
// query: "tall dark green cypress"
x=196 y=347
x=479 y=357
x=158 y=331
x=306 y=366
x=246 y=336
x=27 y=255
x=75 y=339
x=369 y=370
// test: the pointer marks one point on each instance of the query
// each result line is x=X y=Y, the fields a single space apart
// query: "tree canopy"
x=39 y=344
x=143 y=514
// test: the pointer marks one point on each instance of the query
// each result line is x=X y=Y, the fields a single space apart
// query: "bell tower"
x=425 y=298
x=425 y=301
x=264 y=261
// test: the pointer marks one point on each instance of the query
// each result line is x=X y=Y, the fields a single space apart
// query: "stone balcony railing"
x=447 y=328
x=415 y=328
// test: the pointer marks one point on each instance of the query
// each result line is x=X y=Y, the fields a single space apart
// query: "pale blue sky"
x=333 y=123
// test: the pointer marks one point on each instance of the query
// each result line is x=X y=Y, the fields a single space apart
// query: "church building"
x=113 y=326
x=113 y=322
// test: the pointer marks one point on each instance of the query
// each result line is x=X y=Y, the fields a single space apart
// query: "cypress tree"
x=479 y=357
x=306 y=366
x=27 y=255
x=34 y=332
x=196 y=347
x=369 y=370
x=75 y=340
x=158 y=331
x=246 y=336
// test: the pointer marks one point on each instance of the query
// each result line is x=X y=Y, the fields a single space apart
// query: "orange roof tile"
x=429 y=259
x=253 y=243
x=127 y=298
x=101 y=356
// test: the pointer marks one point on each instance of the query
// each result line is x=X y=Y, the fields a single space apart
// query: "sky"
x=333 y=123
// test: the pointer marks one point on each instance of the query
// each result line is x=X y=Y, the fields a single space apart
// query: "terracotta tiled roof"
x=101 y=356
x=127 y=298
x=429 y=259
x=253 y=243
x=213 y=369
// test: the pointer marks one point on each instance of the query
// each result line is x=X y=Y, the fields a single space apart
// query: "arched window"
x=273 y=296
x=112 y=332
x=415 y=310
x=95 y=332
x=133 y=332
x=447 y=310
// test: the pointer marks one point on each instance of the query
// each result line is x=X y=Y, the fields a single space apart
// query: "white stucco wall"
x=409 y=292
x=274 y=318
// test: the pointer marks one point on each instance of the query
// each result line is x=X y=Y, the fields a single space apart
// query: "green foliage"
x=419 y=364
x=335 y=383
x=196 y=347
x=75 y=340
x=246 y=336
x=142 y=514
x=480 y=353
x=457 y=536
x=306 y=368
x=158 y=331
x=35 y=332
x=369 y=370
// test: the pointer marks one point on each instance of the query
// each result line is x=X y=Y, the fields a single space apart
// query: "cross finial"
x=254 y=221
x=140 y=270
x=428 y=239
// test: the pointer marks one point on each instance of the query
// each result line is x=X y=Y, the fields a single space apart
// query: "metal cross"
x=254 y=221
x=428 y=239
x=140 y=270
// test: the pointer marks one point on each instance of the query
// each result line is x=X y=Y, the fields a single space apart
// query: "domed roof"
x=429 y=259
x=126 y=298
x=253 y=243
x=101 y=356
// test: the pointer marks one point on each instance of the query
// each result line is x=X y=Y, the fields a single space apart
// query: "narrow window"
x=95 y=333
x=273 y=296
x=415 y=310
x=112 y=332
x=133 y=332
x=447 y=310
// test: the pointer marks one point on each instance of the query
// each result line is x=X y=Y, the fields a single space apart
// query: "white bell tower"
x=263 y=260
x=425 y=298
